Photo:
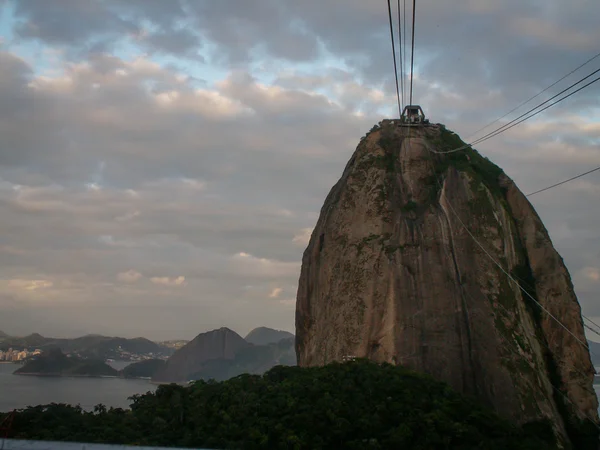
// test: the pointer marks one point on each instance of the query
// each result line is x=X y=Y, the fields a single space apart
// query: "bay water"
x=18 y=391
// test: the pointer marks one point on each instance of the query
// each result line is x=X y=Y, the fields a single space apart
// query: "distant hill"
x=255 y=359
x=3 y=335
x=221 y=344
x=32 y=340
x=55 y=363
x=175 y=344
x=91 y=346
x=264 y=336
x=143 y=369
x=222 y=354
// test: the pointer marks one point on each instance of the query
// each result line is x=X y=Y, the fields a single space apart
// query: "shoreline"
x=59 y=375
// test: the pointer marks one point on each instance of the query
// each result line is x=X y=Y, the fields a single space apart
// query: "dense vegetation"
x=356 y=405
x=143 y=369
x=467 y=160
x=255 y=359
x=56 y=363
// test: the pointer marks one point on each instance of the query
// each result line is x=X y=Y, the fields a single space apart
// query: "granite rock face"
x=413 y=261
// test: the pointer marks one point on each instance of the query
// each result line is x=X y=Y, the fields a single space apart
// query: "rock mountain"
x=266 y=336
x=222 y=354
x=221 y=344
x=407 y=263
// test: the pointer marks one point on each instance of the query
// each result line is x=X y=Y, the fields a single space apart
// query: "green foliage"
x=54 y=362
x=372 y=130
x=255 y=359
x=356 y=405
x=143 y=369
x=583 y=433
x=410 y=205
x=468 y=160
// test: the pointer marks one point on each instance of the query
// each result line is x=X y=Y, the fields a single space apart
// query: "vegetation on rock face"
x=356 y=405
x=390 y=229
x=468 y=160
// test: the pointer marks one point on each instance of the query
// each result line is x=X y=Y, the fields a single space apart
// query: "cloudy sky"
x=162 y=162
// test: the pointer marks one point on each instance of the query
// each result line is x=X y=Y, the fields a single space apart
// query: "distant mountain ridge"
x=218 y=354
x=55 y=363
x=265 y=336
x=255 y=360
x=222 y=354
x=89 y=346
x=221 y=344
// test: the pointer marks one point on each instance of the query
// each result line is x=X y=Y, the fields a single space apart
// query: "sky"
x=163 y=162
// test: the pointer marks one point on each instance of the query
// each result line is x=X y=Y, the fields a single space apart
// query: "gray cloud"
x=119 y=177
x=69 y=22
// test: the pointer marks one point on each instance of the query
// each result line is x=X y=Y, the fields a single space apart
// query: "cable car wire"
x=401 y=59
x=404 y=41
x=412 y=52
x=516 y=121
x=394 y=55
x=512 y=122
x=591 y=329
x=536 y=95
x=563 y=182
x=404 y=46
x=590 y=320
x=499 y=265
x=585 y=345
x=500 y=130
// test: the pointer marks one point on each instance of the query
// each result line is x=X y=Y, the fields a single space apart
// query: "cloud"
x=29 y=285
x=275 y=292
x=246 y=265
x=302 y=238
x=166 y=281
x=288 y=302
x=199 y=139
x=592 y=273
x=131 y=276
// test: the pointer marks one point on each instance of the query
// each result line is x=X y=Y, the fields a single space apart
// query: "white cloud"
x=167 y=281
x=29 y=285
x=288 y=302
x=128 y=216
x=275 y=293
x=131 y=276
x=303 y=237
x=109 y=163
x=244 y=264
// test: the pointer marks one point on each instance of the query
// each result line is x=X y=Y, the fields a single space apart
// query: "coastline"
x=59 y=375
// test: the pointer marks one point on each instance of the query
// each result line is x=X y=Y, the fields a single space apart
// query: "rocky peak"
x=408 y=264
x=191 y=358
x=265 y=336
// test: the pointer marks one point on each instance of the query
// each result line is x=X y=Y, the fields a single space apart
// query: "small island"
x=54 y=363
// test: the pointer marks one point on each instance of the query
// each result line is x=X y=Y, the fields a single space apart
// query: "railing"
x=18 y=444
